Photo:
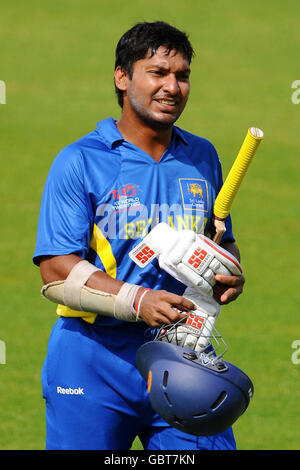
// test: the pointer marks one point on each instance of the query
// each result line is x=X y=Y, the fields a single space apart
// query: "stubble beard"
x=146 y=117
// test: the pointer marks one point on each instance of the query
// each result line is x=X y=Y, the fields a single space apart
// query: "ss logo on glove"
x=197 y=257
x=143 y=255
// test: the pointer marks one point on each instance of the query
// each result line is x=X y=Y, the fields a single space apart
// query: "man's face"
x=159 y=88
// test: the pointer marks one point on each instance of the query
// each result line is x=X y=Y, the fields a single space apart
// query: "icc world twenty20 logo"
x=125 y=197
x=128 y=190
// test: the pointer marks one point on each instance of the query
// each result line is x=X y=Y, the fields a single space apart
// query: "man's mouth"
x=167 y=101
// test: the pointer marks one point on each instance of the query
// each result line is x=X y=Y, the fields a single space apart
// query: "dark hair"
x=143 y=37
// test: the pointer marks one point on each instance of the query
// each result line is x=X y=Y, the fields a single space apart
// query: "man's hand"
x=159 y=307
x=228 y=288
x=196 y=330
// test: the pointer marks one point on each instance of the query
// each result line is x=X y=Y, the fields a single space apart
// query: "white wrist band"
x=139 y=303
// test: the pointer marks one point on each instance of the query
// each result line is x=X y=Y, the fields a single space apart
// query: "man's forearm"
x=57 y=268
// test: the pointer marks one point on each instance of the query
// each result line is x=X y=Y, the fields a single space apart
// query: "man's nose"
x=171 y=84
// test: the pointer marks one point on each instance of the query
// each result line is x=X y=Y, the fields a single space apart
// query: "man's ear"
x=121 y=78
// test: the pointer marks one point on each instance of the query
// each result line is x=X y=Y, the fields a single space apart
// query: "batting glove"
x=196 y=330
x=195 y=259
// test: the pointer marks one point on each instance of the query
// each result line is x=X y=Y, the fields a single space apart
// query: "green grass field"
x=57 y=62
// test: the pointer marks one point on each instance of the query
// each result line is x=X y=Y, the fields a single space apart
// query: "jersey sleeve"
x=65 y=221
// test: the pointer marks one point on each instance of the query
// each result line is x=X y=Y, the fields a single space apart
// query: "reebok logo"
x=69 y=391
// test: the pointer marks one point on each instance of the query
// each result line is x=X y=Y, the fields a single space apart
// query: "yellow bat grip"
x=238 y=170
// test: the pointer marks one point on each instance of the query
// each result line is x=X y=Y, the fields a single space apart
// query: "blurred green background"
x=57 y=62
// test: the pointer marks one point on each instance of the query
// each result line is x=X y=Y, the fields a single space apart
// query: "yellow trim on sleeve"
x=63 y=311
x=102 y=247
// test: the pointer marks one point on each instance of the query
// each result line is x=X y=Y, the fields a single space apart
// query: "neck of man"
x=152 y=138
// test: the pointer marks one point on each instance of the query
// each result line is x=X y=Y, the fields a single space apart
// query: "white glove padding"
x=195 y=259
x=197 y=330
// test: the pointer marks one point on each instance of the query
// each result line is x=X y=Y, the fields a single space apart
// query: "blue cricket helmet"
x=199 y=394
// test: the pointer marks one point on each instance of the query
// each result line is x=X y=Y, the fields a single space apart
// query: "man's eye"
x=157 y=72
x=184 y=77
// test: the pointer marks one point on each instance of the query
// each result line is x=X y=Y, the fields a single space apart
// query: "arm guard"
x=75 y=294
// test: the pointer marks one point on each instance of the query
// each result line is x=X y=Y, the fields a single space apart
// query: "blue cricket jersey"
x=104 y=194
